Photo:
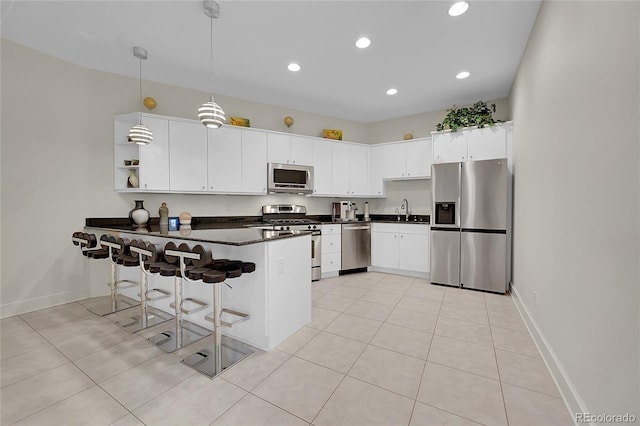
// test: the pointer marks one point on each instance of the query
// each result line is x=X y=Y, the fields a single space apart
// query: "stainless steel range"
x=293 y=218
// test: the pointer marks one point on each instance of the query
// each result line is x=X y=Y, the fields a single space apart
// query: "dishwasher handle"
x=356 y=228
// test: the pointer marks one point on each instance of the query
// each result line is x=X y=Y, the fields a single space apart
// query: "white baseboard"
x=415 y=274
x=42 y=302
x=573 y=401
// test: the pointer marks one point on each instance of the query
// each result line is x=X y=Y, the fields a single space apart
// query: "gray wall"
x=575 y=106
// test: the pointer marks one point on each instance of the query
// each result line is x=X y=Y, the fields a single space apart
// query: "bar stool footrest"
x=135 y=322
x=230 y=351
x=169 y=342
x=105 y=307
x=234 y=317
x=121 y=287
x=200 y=305
x=161 y=294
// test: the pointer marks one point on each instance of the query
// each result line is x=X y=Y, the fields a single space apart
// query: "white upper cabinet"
x=473 y=144
x=322 y=167
x=254 y=161
x=419 y=158
x=487 y=143
x=340 y=162
x=358 y=170
x=450 y=147
x=225 y=159
x=287 y=149
x=394 y=160
x=376 y=184
x=301 y=150
x=188 y=154
x=278 y=148
x=407 y=160
x=154 y=158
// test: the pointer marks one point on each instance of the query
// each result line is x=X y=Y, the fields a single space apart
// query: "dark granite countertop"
x=233 y=230
x=236 y=236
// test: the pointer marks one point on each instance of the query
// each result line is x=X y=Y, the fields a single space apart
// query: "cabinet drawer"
x=331 y=262
x=331 y=229
x=331 y=243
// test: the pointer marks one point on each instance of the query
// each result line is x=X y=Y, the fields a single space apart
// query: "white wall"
x=576 y=208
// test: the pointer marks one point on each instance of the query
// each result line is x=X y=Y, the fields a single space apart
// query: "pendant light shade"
x=139 y=133
x=210 y=113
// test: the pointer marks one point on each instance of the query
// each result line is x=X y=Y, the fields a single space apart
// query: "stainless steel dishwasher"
x=356 y=245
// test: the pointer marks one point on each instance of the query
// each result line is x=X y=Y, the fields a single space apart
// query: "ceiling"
x=416 y=48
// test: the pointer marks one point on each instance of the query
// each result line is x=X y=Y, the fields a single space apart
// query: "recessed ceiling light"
x=363 y=42
x=463 y=74
x=392 y=91
x=294 y=67
x=458 y=8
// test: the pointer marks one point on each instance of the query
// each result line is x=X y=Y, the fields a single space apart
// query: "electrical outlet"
x=535 y=295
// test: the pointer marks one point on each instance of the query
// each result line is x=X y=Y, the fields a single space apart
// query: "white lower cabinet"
x=401 y=246
x=331 y=249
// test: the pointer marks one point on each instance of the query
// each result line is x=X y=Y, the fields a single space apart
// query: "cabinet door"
x=188 y=156
x=450 y=147
x=340 y=161
x=322 y=167
x=254 y=161
x=413 y=252
x=301 y=150
x=419 y=158
x=278 y=148
x=376 y=184
x=394 y=161
x=359 y=169
x=224 y=159
x=384 y=250
x=487 y=143
x=154 y=158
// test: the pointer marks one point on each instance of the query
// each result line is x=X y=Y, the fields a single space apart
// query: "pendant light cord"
x=140 y=80
x=211 y=57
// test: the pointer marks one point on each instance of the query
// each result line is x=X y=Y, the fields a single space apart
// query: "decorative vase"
x=132 y=180
x=139 y=215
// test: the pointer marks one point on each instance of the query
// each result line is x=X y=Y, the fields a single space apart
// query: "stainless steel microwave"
x=290 y=178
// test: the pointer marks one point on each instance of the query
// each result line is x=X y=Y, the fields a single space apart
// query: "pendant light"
x=139 y=133
x=210 y=113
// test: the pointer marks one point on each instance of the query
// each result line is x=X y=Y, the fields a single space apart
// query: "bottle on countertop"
x=163 y=211
x=366 y=210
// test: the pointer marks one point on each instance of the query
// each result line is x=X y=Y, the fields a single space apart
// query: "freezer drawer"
x=483 y=263
x=445 y=257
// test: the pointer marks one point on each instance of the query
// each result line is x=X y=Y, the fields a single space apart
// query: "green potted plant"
x=480 y=115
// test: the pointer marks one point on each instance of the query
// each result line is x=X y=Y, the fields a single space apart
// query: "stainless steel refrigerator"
x=470 y=233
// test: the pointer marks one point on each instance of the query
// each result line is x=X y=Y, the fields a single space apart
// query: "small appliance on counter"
x=343 y=211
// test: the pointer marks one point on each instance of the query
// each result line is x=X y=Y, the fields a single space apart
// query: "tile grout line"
x=424 y=368
x=504 y=403
x=79 y=369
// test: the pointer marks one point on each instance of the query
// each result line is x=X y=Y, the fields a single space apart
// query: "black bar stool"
x=178 y=260
x=147 y=316
x=116 y=250
x=225 y=351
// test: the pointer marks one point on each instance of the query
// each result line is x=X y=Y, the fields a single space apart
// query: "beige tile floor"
x=380 y=350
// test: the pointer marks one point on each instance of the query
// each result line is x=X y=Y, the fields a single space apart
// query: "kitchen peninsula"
x=277 y=295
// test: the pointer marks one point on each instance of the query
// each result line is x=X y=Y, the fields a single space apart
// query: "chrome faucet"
x=405 y=207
